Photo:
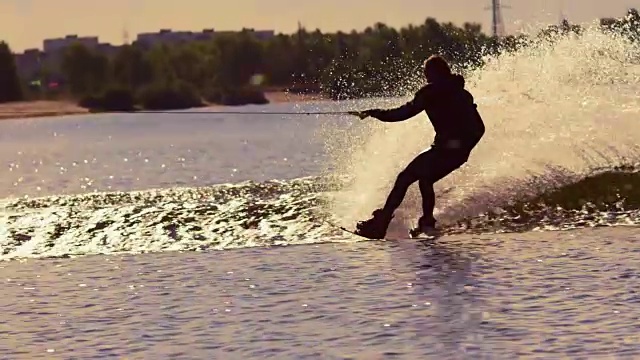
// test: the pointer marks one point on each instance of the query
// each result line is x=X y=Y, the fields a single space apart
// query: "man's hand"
x=361 y=114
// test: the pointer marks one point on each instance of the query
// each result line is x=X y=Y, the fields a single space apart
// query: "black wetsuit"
x=458 y=127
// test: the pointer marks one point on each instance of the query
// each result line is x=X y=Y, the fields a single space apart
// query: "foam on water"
x=210 y=218
x=567 y=103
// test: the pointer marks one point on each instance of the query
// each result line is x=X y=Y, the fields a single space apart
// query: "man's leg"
x=399 y=190
x=428 y=202
x=444 y=164
x=423 y=168
x=376 y=226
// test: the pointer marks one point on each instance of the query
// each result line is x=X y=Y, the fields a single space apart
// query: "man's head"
x=435 y=68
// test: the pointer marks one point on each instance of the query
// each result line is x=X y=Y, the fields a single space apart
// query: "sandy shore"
x=282 y=96
x=42 y=108
x=39 y=108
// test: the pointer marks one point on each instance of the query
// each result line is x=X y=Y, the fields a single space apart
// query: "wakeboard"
x=421 y=237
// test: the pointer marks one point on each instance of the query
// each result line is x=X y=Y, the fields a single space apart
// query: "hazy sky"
x=25 y=23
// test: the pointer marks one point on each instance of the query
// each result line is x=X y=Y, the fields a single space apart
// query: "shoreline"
x=39 y=108
x=51 y=108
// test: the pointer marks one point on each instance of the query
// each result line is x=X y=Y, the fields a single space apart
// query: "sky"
x=25 y=23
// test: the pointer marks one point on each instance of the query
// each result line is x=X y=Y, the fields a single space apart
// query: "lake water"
x=188 y=236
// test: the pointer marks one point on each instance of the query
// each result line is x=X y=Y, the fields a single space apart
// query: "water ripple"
x=491 y=296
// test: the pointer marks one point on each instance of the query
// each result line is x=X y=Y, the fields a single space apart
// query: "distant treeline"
x=235 y=69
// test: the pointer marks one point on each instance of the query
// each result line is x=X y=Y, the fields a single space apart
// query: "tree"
x=86 y=72
x=279 y=62
x=10 y=88
x=131 y=68
x=236 y=59
x=190 y=64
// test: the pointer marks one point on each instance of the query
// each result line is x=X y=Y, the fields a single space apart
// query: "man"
x=458 y=127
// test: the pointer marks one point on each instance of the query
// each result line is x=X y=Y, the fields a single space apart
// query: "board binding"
x=420 y=238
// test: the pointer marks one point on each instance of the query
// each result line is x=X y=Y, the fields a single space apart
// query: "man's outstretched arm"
x=401 y=113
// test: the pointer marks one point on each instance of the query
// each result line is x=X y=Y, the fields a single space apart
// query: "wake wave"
x=277 y=213
x=218 y=217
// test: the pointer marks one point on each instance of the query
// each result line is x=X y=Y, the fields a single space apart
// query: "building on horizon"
x=32 y=62
x=259 y=34
x=168 y=36
x=55 y=45
x=29 y=63
x=264 y=34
